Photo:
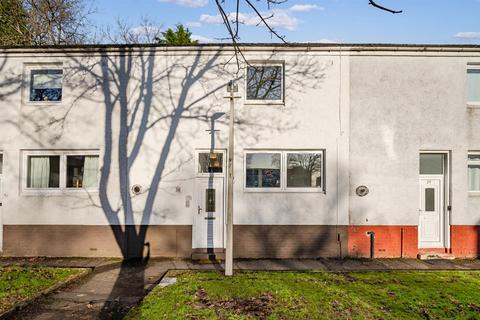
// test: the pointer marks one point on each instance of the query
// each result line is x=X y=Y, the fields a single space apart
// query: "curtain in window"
x=39 y=172
x=474 y=178
x=90 y=172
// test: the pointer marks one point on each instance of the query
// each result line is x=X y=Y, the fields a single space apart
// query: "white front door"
x=431 y=221
x=209 y=212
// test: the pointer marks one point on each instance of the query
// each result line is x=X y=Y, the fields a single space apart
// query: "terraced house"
x=122 y=150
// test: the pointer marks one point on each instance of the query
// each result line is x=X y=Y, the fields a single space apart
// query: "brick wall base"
x=390 y=241
x=90 y=241
x=465 y=241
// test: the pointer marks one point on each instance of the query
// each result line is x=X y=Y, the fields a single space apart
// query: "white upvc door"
x=208 y=226
x=432 y=215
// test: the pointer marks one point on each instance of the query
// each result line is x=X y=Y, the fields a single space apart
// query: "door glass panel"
x=429 y=199
x=431 y=163
x=210 y=162
x=210 y=200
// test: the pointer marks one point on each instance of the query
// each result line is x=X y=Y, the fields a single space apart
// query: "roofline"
x=355 y=47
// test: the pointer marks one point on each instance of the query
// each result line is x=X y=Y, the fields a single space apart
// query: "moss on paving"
x=18 y=284
x=316 y=295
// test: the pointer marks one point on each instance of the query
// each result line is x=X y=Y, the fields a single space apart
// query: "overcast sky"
x=348 y=21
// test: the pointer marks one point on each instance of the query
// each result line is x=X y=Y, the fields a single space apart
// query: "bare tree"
x=124 y=33
x=58 y=22
x=232 y=21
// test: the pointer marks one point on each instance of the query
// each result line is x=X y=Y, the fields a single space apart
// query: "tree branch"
x=373 y=3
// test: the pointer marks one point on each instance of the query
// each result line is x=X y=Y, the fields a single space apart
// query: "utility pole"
x=232 y=88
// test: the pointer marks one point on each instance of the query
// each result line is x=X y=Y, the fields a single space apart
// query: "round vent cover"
x=362 y=191
x=136 y=189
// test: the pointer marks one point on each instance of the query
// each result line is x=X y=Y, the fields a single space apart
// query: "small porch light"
x=232 y=86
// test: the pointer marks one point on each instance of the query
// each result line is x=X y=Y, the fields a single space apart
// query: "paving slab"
x=397 y=264
x=443 y=264
x=353 y=264
x=416 y=264
x=471 y=264
x=107 y=294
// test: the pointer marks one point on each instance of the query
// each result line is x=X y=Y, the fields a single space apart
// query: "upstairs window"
x=473 y=86
x=265 y=83
x=474 y=172
x=46 y=85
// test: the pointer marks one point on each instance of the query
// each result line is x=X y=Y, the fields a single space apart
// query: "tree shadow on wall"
x=143 y=96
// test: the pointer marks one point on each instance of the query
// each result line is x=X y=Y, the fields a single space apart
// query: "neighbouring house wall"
x=173 y=97
x=401 y=104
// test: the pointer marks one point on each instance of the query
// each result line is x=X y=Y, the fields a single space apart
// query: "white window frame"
x=265 y=64
x=2 y=167
x=63 y=171
x=283 y=171
x=247 y=189
x=473 y=162
x=27 y=77
x=304 y=189
x=472 y=104
x=214 y=174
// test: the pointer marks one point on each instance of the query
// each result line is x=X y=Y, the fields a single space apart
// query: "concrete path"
x=113 y=288
x=107 y=293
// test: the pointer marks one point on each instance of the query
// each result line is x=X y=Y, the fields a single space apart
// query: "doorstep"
x=208 y=255
x=435 y=256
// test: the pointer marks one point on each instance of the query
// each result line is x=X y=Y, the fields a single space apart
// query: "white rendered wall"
x=401 y=104
x=190 y=87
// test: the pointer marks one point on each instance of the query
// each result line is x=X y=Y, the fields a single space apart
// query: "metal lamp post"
x=232 y=88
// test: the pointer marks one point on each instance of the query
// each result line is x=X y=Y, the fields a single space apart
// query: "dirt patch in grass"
x=259 y=307
x=306 y=295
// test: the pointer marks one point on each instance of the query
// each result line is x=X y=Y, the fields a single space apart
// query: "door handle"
x=199 y=210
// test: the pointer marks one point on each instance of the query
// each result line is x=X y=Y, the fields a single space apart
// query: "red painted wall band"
x=402 y=241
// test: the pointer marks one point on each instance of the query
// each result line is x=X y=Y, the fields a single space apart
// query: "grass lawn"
x=315 y=295
x=18 y=283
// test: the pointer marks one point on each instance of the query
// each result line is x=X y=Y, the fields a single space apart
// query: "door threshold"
x=207 y=257
x=435 y=256
x=208 y=250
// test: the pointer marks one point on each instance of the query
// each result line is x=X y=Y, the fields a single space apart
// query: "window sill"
x=56 y=192
x=43 y=103
x=474 y=193
x=270 y=190
x=473 y=105
x=263 y=103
